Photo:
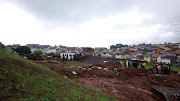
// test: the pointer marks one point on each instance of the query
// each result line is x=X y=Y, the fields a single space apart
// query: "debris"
x=106 y=69
x=171 y=94
x=99 y=67
x=74 y=72
x=154 y=75
x=72 y=66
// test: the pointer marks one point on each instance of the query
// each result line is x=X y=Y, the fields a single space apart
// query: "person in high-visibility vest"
x=127 y=65
x=159 y=69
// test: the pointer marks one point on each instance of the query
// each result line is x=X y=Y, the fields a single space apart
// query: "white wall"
x=118 y=56
x=34 y=49
x=48 y=50
x=65 y=55
x=163 y=60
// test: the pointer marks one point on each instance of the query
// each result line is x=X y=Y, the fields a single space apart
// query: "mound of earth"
x=96 y=60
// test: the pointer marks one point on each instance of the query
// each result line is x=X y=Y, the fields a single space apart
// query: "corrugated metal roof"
x=171 y=94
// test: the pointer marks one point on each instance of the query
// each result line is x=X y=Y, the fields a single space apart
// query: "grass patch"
x=21 y=79
x=173 y=68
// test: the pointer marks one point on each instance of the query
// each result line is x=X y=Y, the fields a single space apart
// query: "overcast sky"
x=92 y=23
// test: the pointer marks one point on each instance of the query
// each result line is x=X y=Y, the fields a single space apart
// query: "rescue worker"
x=154 y=67
x=159 y=69
x=143 y=65
x=166 y=71
x=169 y=69
x=127 y=64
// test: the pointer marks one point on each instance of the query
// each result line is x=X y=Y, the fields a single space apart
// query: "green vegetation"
x=173 y=68
x=22 y=79
x=2 y=45
x=23 y=50
x=117 y=46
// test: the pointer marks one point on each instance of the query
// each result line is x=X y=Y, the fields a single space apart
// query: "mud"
x=122 y=83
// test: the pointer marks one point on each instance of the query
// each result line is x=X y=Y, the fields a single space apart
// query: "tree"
x=23 y=50
x=117 y=46
x=2 y=45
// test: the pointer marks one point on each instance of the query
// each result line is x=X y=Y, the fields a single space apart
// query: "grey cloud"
x=71 y=13
x=74 y=12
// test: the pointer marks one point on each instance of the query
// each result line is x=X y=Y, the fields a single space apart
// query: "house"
x=106 y=54
x=147 y=58
x=150 y=52
x=167 y=59
x=49 y=50
x=140 y=57
x=167 y=48
x=167 y=54
x=122 y=56
x=154 y=56
x=118 y=56
x=177 y=52
x=159 y=50
x=68 y=56
x=138 y=54
x=88 y=51
x=33 y=49
x=14 y=46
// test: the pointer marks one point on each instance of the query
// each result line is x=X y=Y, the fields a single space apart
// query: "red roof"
x=178 y=51
x=167 y=53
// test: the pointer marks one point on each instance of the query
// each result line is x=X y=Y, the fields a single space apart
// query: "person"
x=162 y=68
x=159 y=69
x=166 y=69
x=133 y=64
x=136 y=64
x=154 y=67
x=127 y=63
x=169 y=69
x=121 y=62
x=143 y=65
x=63 y=58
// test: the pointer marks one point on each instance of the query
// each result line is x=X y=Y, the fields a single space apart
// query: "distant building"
x=167 y=59
x=140 y=57
x=159 y=50
x=147 y=58
x=155 y=56
x=88 y=51
x=106 y=54
x=122 y=56
x=14 y=46
x=150 y=52
x=32 y=45
x=68 y=56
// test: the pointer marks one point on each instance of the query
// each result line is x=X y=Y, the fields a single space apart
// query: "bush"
x=2 y=45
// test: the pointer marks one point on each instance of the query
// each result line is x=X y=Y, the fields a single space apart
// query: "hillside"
x=21 y=79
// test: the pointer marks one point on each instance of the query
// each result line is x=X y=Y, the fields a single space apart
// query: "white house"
x=67 y=55
x=167 y=59
x=106 y=54
x=163 y=60
x=48 y=50
x=35 y=49
x=118 y=56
